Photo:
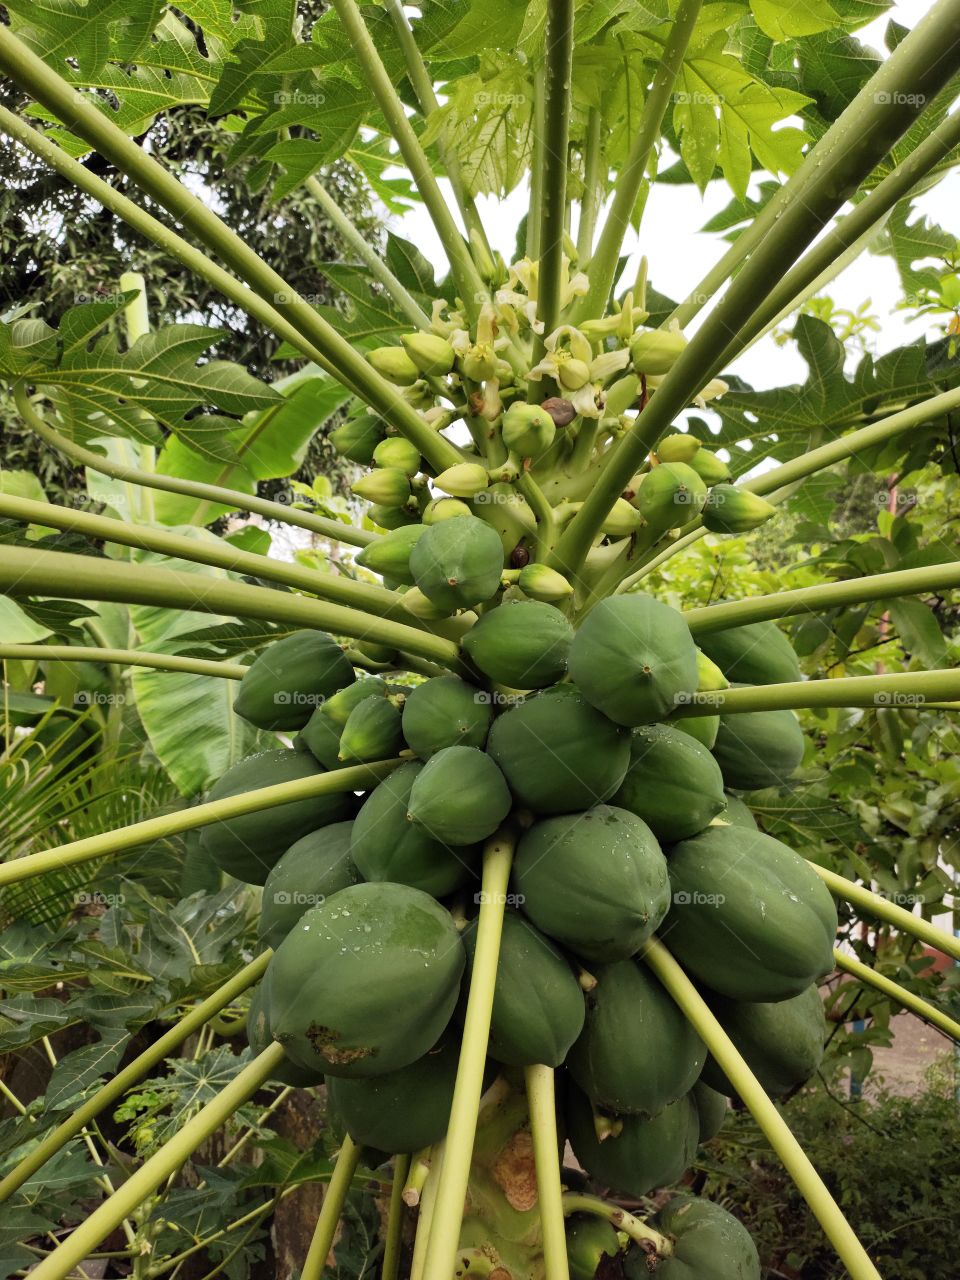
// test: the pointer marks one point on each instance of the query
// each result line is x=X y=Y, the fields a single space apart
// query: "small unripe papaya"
x=622 y=519
x=710 y=467
x=340 y=705
x=357 y=438
x=373 y=732
x=478 y=363
x=588 y=1240
x=387 y=487
x=732 y=510
x=670 y=495
x=430 y=353
x=390 y=555
x=678 y=448
x=528 y=429
x=463 y=480
x=397 y=453
x=656 y=351
x=415 y=602
x=394 y=364
x=711 y=677
x=540 y=582
x=392 y=517
x=444 y=509
x=573 y=374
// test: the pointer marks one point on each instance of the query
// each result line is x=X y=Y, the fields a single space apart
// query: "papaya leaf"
x=919 y=632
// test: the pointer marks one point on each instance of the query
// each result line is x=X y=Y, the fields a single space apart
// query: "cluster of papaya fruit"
x=625 y=820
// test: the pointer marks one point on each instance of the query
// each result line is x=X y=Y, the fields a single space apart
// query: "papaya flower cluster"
x=524 y=275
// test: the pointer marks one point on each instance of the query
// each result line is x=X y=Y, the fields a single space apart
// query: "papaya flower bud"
x=622 y=396
x=387 y=487
x=715 y=388
x=528 y=429
x=463 y=480
x=396 y=451
x=569 y=247
x=732 y=510
x=491 y=405
x=678 y=448
x=431 y=354
x=394 y=364
x=540 y=582
x=655 y=351
x=481 y=256
x=419 y=394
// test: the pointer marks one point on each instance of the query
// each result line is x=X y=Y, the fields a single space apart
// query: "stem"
x=353 y=778
x=541 y=508
x=619 y=1219
x=828 y=154
x=857 y=225
x=428 y=1207
x=461 y=1130
x=558 y=61
x=795 y=1160
x=849 y=445
x=900 y=689
x=427 y=98
x=877 y=118
x=589 y=205
x=125 y=657
x=603 y=264
x=83 y=117
x=137 y=321
x=331 y=1209
x=390 y=1269
x=471 y=286
x=335 y=530
x=162 y=1165
x=542 y=1103
x=661 y=557
x=883 y=909
x=209 y=551
x=26 y=571
x=417 y=1176
x=367 y=254
x=900 y=995
x=878 y=586
x=534 y=208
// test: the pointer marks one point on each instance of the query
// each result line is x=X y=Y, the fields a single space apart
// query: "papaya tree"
x=511 y=889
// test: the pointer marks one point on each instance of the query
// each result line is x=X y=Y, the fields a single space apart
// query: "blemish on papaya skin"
x=515 y=1172
x=323 y=1041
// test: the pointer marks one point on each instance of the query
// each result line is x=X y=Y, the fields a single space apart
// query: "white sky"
x=679 y=255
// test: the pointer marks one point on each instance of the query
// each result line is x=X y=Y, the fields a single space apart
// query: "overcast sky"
x=679 y=255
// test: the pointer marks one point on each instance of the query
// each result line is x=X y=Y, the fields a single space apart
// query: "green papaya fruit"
x=710 y=467
x=394 y=364
x=314 y=867
x=386 y=847
x=756 y=749
x=321 y=737
x=341 y=705
x=386 y=486
x=521 y=644
x=528 y=430
x=446 y=712
x=679 y=447
x=390 y=554
x=673 y=783
x=711 y=1109
x=589 y=1238
x=367 y=981
x=637 y=1052
x=708 y=1244
x=373 y=732
x=444 y=509
x=670 y=496
x=391 y=518
x=782 y=1043
x=538 y=1006
x=758 y=653
x=431 y=354
x=398 y=452
x=750 y=919
x=459 y=796
x=404 y=1110
x=540 y=582
x=729 y=509
x=558 y=753
x=655 y=351
x=702 y=729
x=646 y=1153
x=463 y=480
x=259 y=1038
x=633 y=658
x=357 y=438
x=595 y=882
x=737 y=813
x=457 y=563
x=247 y=847
x=288 y=679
